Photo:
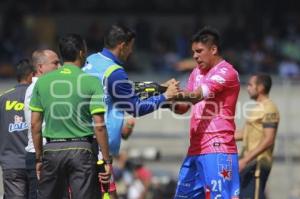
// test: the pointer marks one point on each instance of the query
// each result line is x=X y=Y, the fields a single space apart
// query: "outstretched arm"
x=122 y=92
x=190 y=96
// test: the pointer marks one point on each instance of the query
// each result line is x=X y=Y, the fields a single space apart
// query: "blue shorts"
x=214 y=175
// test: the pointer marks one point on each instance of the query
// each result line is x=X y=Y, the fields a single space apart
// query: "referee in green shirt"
x=70 y=102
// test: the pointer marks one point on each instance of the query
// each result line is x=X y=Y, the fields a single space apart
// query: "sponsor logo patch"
x=18 y=125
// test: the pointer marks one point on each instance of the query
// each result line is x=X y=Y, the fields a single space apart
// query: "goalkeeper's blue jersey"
x=101 y=67
x=119 y=94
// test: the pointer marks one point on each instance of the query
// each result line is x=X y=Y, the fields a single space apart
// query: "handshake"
x=170 y=89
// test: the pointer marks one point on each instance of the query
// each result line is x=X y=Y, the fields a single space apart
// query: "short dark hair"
x=23 y=69
x=116 y=35
x=70 y=45
x=208 y=35
x=264 y=80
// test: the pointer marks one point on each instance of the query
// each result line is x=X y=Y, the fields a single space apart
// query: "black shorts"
x=253 y=181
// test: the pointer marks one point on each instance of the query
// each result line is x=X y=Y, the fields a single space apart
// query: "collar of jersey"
x=71 y=66
x=105 y=52
x=21 y=84
x=34 y=79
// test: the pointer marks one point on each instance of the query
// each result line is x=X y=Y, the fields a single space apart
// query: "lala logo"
x=18 y=124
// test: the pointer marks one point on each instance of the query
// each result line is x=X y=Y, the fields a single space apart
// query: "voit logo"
x=18 y=125
x=14 y=105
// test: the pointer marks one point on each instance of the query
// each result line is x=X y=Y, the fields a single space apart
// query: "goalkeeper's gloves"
x=148 y=89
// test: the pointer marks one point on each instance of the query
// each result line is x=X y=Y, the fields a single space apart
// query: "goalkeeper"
x=120 y=96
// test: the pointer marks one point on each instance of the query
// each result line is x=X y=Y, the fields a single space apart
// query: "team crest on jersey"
x=225 y=167
x=18 y=125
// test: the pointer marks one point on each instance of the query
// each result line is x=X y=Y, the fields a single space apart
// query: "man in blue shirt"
x=119 y=91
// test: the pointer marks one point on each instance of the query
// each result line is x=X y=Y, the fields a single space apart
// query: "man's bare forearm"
x=38 y=144
x=36 y=129
x=102 y=140
x=193 y=97
x=101 y=135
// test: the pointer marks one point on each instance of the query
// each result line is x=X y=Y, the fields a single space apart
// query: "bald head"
x=44 y=61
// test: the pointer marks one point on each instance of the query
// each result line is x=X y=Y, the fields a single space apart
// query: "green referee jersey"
x=68 y=98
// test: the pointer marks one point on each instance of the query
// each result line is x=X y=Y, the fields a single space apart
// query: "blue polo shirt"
x=119 y=94
x=123 y=95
